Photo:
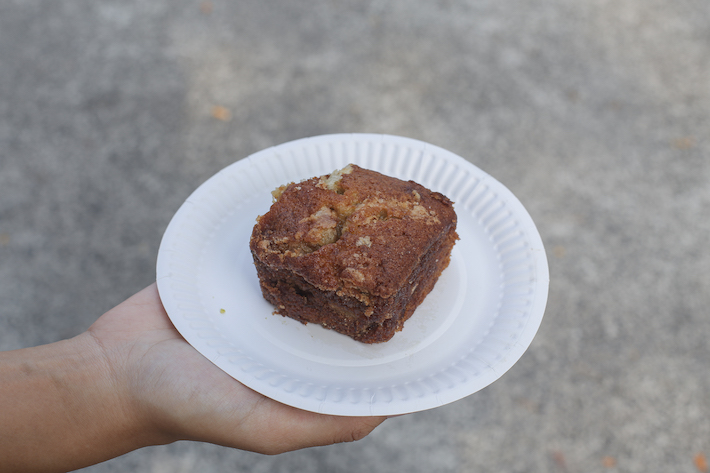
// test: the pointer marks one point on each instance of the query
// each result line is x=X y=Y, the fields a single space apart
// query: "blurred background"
x=595 y=114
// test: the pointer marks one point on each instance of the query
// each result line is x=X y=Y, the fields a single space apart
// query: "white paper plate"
x=476 y=323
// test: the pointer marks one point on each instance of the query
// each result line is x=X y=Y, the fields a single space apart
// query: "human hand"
x=175 y=393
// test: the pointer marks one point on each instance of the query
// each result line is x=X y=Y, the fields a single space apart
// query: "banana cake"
x=354 y=251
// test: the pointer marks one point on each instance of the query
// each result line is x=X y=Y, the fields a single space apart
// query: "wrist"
x=62 y=401
x=111 y=366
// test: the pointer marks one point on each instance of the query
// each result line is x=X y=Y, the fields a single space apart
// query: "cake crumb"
x=366 y=241
x=332 y=181
x=276 y=193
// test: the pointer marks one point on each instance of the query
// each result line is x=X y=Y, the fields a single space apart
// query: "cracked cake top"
x=354 y=231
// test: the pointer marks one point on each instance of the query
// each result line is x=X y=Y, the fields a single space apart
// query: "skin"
x=132 y=381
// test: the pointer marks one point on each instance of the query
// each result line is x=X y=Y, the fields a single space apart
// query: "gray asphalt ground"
x=596 y=114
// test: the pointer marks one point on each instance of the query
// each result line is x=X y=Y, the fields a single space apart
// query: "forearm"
x=60 y=409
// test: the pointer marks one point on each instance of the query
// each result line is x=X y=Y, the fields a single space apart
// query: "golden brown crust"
x=355 y=250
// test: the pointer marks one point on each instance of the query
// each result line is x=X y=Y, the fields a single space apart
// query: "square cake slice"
x=354 y=251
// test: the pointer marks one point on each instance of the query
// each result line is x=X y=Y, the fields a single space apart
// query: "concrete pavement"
x=595 y=114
